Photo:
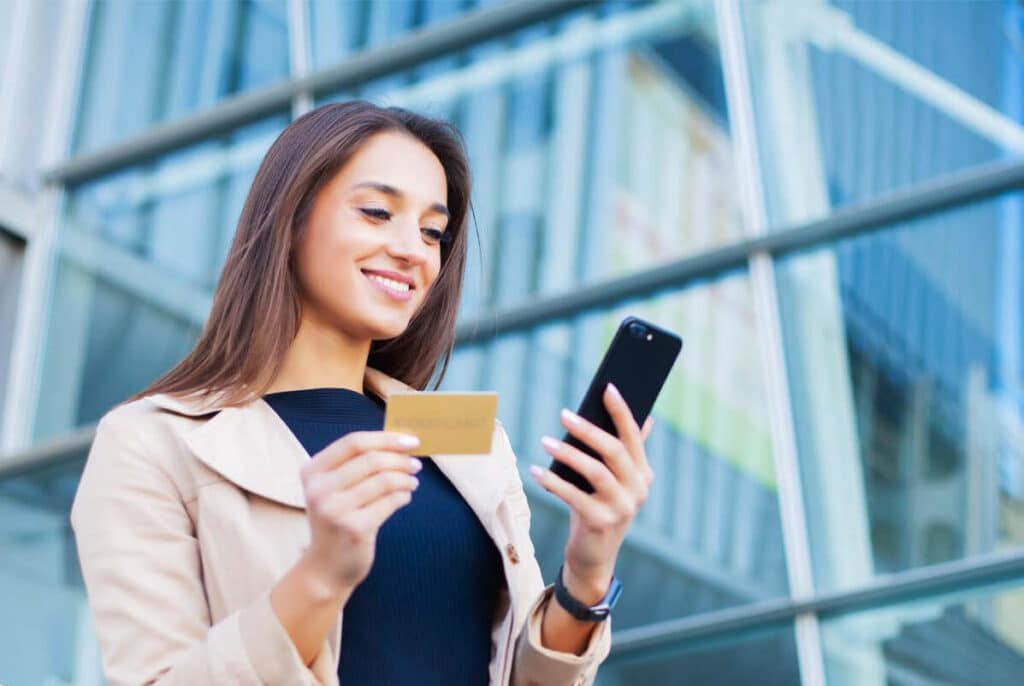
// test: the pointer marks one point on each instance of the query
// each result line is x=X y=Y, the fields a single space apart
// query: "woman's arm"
x=560 y=630
x=143 y=576
x=307 y=607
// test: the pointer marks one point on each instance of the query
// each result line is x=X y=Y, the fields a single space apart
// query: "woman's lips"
x=398 y=296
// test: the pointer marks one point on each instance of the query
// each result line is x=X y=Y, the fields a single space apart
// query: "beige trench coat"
x=187 y=515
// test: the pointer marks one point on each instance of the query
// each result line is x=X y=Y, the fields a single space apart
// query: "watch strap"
x=581 y=611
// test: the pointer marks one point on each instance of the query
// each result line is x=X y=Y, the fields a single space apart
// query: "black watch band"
x=581 y=611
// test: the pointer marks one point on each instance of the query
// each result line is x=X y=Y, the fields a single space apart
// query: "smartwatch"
x=583 y=612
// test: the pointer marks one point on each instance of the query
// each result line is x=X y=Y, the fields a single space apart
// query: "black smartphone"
x=637 y=361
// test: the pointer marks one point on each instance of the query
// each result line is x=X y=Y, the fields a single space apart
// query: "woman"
x=245 y=520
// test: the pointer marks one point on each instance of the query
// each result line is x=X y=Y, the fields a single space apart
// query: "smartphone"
x=637 y=361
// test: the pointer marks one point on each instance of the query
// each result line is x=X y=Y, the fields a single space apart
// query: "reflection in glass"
x=46 y=635
x=709 y=535
x=905 y=355
x=852 y=102
x=765 y=658
x=974 y=639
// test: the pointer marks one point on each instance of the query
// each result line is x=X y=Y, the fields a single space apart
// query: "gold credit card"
x=446 y=422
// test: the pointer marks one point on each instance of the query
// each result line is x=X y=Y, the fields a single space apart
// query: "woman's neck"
x=321 y=356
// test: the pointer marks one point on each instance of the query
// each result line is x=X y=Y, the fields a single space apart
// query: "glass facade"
x=847 y=413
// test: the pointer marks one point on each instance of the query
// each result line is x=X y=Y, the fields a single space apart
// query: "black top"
x=423 y=615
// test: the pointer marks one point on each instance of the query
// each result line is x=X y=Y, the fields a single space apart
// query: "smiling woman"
x=246 y=520
x=311 y=223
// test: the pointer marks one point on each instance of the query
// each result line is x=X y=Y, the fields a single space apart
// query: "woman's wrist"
x=587 y=589
x=319 y=585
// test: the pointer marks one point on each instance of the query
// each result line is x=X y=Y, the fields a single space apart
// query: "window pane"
x=765 y=658
x=905 y=357
x=969 y=639
x=149 y=62
x=140 y=254
x=599 y=145
x=709 y=535
x=858 y=99
x=46 y=636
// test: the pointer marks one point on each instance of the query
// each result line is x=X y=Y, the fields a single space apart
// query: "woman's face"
x=371 y=249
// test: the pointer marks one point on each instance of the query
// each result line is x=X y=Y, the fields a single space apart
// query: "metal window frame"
x=968 y=575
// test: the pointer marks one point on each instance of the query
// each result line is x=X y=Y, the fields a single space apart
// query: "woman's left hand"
x=599 y=521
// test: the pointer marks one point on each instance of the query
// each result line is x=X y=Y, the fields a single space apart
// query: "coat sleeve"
x=143 y=577
x=533 y=664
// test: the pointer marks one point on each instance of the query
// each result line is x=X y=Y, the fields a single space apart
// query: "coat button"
x=513 y=555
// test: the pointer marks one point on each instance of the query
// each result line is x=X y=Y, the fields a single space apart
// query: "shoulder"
x=145 y=419
x=141 y=436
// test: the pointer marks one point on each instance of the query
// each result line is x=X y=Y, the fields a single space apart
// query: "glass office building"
x=825 y=200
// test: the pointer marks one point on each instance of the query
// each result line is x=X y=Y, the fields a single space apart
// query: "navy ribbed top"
x=423 y=615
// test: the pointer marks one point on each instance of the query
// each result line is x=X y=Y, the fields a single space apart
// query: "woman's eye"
x=375 y=213
x=435 y=236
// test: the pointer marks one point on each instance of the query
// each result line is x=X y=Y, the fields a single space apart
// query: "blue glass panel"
x=46 y=636
x=148 y=62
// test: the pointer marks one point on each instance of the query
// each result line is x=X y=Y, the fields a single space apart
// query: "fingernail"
x=416 y=464
x=570 y=416
x=537 y=471
x=549 y=442
x=614 y=390
x=408 y=441
x=415 y=483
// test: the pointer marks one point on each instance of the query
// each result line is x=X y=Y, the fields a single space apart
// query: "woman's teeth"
x=390 y=283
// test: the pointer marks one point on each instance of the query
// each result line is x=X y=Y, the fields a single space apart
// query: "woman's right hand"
x=352 y=486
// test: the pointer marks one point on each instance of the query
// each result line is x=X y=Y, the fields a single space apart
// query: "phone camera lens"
x=637 y=330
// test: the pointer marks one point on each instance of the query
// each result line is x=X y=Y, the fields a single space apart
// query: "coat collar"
x=251 y=446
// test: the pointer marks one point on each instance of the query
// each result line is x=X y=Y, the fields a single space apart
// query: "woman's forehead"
x=395 y=161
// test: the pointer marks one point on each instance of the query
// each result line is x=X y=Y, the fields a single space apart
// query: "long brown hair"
x=256 y=307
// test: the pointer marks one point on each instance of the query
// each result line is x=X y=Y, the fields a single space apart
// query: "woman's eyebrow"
x=395 y=193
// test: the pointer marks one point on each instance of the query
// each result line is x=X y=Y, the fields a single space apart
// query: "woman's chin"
x=384 y=329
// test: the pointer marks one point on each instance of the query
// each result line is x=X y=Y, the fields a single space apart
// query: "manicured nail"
x=416 y=464
x=549 y=443
x=537 y=471
x=570 y=416
x=408 y=441
x=614 y=390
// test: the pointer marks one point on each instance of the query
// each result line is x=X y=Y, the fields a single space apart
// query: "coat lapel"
x=251 y=446
x=247 y=444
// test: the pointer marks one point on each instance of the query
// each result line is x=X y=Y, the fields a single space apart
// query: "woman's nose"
x=406 y=243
